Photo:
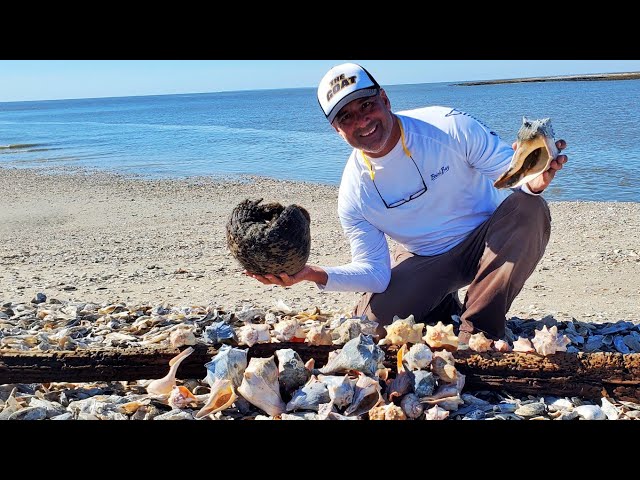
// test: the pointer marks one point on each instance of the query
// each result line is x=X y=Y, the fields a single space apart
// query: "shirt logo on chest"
x=442 y=170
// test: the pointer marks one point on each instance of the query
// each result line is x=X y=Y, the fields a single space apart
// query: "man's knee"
x=529 y=211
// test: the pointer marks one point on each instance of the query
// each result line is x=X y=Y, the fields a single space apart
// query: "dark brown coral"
x=269 y=238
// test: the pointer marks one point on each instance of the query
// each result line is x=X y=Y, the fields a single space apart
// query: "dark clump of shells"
x=269 y=238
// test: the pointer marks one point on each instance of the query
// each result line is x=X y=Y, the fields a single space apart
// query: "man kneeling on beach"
x=424 y=177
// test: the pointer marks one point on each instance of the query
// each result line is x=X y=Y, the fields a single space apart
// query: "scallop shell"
x=269 y=238
x=536 y=148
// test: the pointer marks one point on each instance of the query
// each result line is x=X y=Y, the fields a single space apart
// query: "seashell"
x=411 y=406
x=441 y=336
x=436 y=413
x=260 y=385
x=448 y=403
x=479 y=343
x=218 y=332
x=341 y=389
x=269 y=238
x=523 y=345
x=536 y=148
x=319 y=334
x=387 y=412
x=287 y=330
x=228 y=364
x=366 y=395
x=594 y=343
x=424 y=383
x=359 y=354
x=443 y=365
x=590 y=412
x=632 y=342
x=292 y=373
x=404 y=380
x=253 y=333
x=418 y=357
x=181 y=397
x=501 y=346
x=547 y=341
x=181 y=336
x=531 y=409
x=402 y=330
x=347 y=330
x=164 y=385
x=310 y=396
x=609 y=409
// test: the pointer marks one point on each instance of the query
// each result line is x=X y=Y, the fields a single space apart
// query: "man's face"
x=366 y=124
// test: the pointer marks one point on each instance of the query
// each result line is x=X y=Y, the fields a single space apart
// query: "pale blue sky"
x=57 y=79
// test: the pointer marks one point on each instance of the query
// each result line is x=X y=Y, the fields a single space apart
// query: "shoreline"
x=107 y=238
x=555 y=78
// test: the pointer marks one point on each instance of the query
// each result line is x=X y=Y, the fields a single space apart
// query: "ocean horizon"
x=283 y=134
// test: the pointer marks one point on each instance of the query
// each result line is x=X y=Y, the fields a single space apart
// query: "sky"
x=22 y=80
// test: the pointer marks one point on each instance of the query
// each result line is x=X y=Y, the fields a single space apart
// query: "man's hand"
x=309 y=272
x=538 y=184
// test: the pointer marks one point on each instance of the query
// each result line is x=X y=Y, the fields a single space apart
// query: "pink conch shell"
x=523 y=345
x=252 y=333
x=436 y=413
x=402 y=330
x=548 y=342
x=319 y=334
x=441 y=336
x=181 y=397
x=501 y=346
x=479 y=343
x=181 y=336
x=164 y=385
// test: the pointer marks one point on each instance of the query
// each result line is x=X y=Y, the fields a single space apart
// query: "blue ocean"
x=283 y=134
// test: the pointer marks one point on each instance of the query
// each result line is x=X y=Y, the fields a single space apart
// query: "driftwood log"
x=586 y=375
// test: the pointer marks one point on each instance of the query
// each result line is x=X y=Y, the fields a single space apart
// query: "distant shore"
x=109 y=238
x=557 y=78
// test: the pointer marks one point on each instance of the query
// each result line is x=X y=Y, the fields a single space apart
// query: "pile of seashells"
x=352 y=385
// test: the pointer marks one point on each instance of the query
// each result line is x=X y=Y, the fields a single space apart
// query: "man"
x=425 y=177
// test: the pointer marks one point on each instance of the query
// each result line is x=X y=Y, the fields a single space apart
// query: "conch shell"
x=441 y=336
x=535 y=150
x=547 y=341
x=402 y=330
x=164 y=385
x=260 y=385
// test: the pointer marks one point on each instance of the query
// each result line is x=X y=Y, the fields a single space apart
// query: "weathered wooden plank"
x=588 y=375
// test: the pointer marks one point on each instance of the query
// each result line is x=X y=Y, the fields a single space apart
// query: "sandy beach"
x=105 y=238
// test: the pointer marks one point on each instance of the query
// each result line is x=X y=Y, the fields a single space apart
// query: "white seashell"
x=436 y=413
x=253 y=333
x=418 y=357
x=523 y=345
x=286 y=330
x=181 y=397
x=441 y=336
x=319 y=334
x=547 y=341
x=590 y=412
x=260 y=385
x=501 y=346
x=479 y=343
x=609 y=409
x=182 y=336
x=402 y=330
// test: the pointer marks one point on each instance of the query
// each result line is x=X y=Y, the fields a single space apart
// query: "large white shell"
x=260 y=385
x=164 y=385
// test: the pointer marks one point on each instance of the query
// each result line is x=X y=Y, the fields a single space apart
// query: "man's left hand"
x=538 y=184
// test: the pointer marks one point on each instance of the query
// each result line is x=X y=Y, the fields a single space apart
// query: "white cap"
x=342 y=84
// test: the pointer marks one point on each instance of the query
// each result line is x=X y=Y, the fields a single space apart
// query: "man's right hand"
x=309 y=273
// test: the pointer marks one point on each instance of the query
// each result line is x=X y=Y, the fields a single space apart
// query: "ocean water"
x=283 y=134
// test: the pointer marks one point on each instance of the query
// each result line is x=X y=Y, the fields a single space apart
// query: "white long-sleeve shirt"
x=458 y=157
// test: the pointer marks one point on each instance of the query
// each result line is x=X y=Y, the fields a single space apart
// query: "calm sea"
x=283 y=134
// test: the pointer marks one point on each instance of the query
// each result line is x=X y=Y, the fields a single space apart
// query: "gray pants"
x=495 y=260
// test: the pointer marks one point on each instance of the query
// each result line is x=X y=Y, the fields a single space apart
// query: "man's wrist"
x=526 y=188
